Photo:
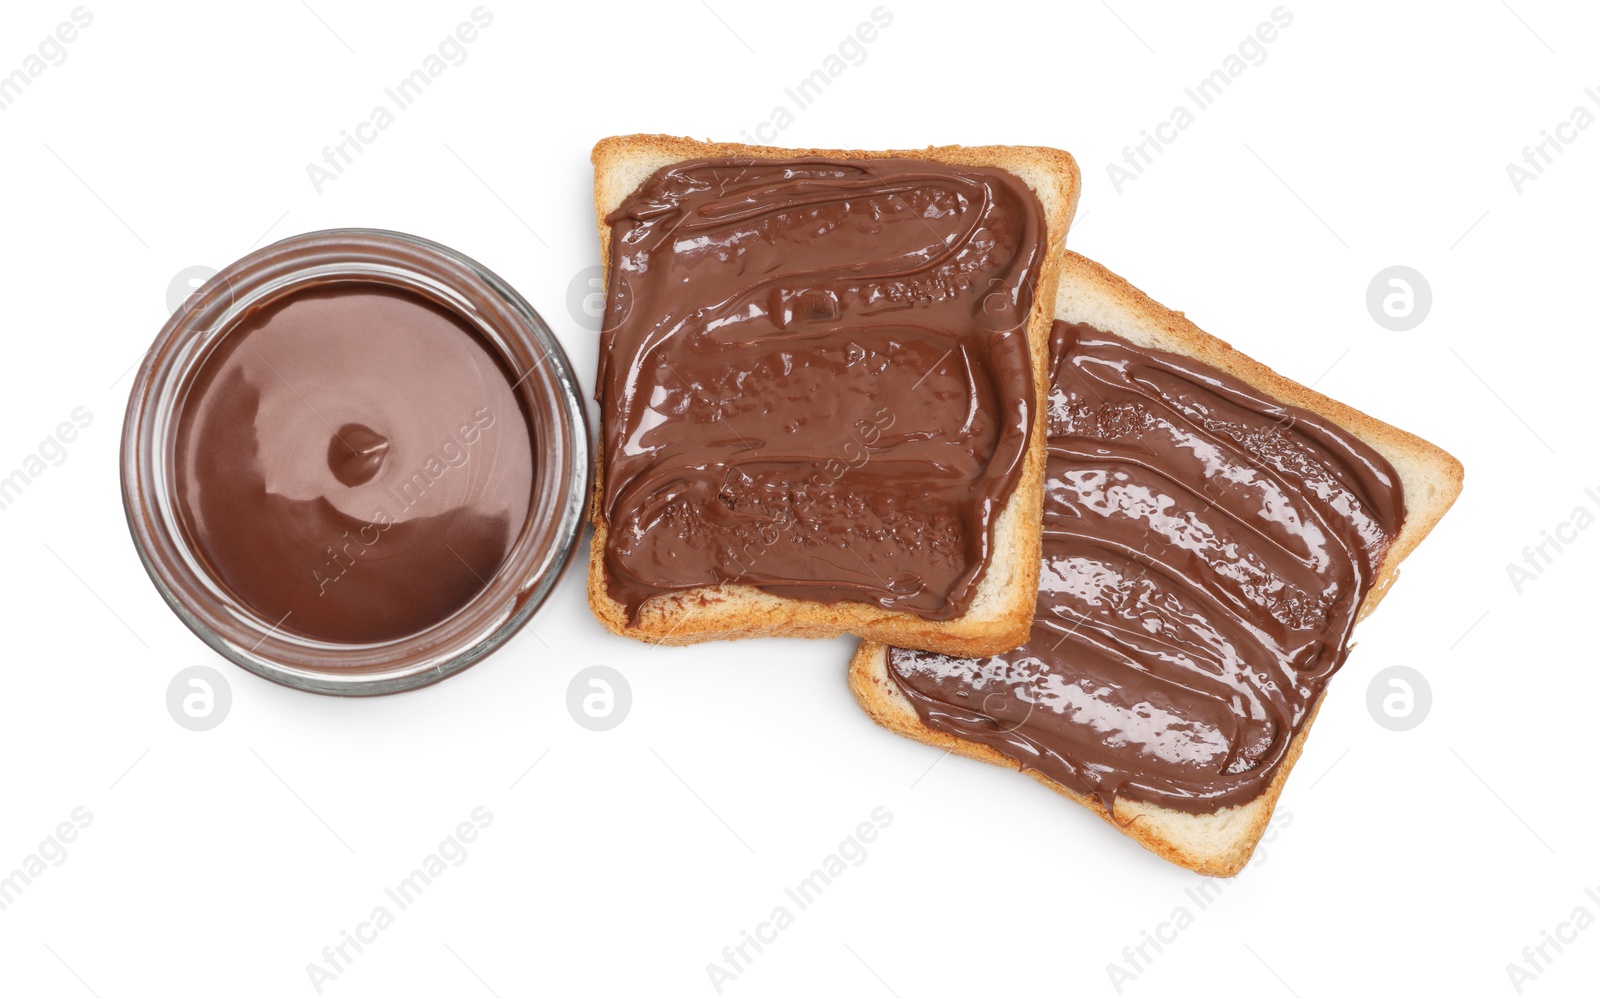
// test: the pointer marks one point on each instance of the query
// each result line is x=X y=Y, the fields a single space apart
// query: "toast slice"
x=1001 y=609
x=1219 y=842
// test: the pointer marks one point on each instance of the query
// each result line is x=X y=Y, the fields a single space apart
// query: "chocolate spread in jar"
x=1206 y=552
x=353 y=463
x=815 y=378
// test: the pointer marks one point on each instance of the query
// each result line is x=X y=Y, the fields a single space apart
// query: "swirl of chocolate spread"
x=1206 y=552
x=353 y=464
x=815 y=378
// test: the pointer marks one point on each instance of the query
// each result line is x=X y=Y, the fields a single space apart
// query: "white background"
x=222 y=863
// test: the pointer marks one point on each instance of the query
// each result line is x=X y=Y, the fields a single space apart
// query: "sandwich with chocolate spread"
x=821 y=389
x=1212 y=532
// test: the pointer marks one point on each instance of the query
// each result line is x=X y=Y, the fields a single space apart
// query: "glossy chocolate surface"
x=352 y=463
x=816 y=378
x=1206 y=551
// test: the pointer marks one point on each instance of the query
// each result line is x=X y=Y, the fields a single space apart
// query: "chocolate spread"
x=815 y=378
x=352 y=463
x=1206 y=551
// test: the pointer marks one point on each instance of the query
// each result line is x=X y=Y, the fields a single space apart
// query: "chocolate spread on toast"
x=815 y=378
x=1206 y=552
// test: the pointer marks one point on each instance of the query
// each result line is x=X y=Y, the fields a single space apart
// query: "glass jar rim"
x=548 y=392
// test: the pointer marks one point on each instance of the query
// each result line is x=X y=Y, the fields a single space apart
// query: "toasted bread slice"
x=1217 y=843
x=1001 y=611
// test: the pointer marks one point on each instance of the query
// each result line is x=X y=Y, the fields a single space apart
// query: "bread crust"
x=1216 y=844
x=1219 y=843
x=1001 y=612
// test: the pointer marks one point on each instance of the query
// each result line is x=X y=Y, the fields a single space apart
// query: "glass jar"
x=546 y=391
